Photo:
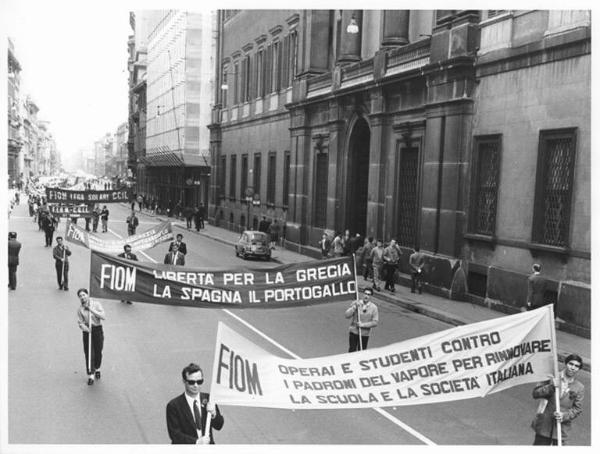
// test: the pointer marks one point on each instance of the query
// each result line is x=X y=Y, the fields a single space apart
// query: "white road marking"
x=381 y=411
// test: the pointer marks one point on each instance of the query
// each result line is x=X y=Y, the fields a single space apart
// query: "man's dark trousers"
x=12 y=276
x=63 y=282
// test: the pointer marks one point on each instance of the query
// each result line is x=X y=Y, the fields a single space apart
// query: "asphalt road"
x=147 y=345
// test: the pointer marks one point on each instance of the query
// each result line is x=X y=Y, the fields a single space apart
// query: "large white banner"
x=459 y=363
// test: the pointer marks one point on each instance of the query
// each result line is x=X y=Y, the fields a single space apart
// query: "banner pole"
x=357 y=311
x=90 y=337
x=556 y=375
x=207 y=424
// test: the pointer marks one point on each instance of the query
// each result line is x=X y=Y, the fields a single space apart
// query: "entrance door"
x=408 y=180
x=358 y=181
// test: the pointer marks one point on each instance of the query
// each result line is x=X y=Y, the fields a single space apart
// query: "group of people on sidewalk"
x=375 y=260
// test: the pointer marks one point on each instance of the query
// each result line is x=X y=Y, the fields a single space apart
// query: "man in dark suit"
x=174 y=257
x=14 y=247
x=536 y=286
x=180 y=244
x=127 y=254
x=187 y=413
x=61 y=255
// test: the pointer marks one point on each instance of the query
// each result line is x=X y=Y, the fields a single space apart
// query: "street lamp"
x=352 y=26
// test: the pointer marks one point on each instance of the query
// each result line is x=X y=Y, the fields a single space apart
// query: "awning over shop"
x=169 y=158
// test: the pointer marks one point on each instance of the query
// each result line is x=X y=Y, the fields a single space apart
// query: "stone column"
x=395 y=27
x=350 y=45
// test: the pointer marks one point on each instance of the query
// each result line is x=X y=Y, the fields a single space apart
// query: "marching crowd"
x=187 y=414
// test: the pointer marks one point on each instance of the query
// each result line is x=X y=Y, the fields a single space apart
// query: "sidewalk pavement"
x=449 y=311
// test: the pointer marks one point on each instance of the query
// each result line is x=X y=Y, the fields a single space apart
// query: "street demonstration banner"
x=138 y=242
x=86 y=196
x=459 y=363
x=297 y=284
x=69 y=211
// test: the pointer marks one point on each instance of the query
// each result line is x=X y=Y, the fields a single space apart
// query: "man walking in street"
x=174 y=257
x=127 y=254
x=324 y=245
x=181 y=246
x=95 y=219
x=416 y=262
x=93 y=309
x=364 y=315
x=201 y=215
x=187 y=413
x=391 y=259
x=61 y=255
x=14 y=247
x=104 y=218
x=536 y=287
x=132 y=223
x=49 y=224
x=367 y=260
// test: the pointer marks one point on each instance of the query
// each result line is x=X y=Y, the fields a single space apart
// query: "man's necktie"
x=197 y=416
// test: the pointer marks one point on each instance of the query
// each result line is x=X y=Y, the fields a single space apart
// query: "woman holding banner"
x=89 y=318
x=571 y=402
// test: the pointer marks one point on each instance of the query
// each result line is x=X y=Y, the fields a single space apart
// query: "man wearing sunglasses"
x=187 y=413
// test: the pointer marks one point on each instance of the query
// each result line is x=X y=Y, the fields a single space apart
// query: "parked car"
x=253 y=244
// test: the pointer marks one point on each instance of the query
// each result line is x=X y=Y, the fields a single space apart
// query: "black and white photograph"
x=280 y=230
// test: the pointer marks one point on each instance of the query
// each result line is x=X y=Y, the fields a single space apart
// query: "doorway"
x=358 y=177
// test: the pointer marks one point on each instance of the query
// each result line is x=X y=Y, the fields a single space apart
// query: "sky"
x=74 y=66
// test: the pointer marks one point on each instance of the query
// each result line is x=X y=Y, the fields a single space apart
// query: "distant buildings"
x=31 y=147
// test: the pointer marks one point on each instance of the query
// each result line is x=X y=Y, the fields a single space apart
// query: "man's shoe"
x=128 y=302
x=65 y=288
x=97 y=374
x=90 y=381
x=60 y=287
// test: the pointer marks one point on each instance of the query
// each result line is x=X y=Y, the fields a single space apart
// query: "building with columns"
x=465 y=133
x=15 y=121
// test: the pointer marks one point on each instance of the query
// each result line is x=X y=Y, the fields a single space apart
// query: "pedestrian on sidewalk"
x=61 y=255
x=181 y=246
x=201 y=214
x=94 y=310
x=188 y=213
x=337 y=246
x=416 y=262
x=140 y=201
x=104 y=218
x=366 y=259
x=391 y=259
x=536 y=287
x=377 y=259
x=571 y=403
x=364 y=315
x=132 y=223
x=324 y=245
x=127 y=254
x=274 y=231
x=188 y=412
x=174 y=257
x=14 y=247
x=346 y=247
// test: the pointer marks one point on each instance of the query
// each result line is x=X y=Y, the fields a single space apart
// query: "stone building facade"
x=465 y=133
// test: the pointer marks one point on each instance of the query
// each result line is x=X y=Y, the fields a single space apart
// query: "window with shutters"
x=268 y=69
x=554 y=186
x=271 y=179
x=232 y=176
x=256 y=173
x=224 y=92
x=236 y=83
x=222 y=176
x=486 y=180
x=287 y=161
x=275 y=67
x=321 y=177
x=293 y=56
x=244 y=177
x=260 y=74
x=246 y=79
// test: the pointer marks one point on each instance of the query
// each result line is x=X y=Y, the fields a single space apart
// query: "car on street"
x=253 y=243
